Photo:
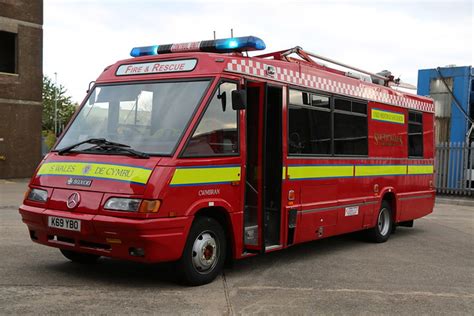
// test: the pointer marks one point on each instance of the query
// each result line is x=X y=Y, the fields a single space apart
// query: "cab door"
x=262 y=206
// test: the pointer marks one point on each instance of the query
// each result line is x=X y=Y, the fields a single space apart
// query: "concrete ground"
x=428 y=269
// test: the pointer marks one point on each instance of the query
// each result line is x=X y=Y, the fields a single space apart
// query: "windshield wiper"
x=102 y=143
x=93 y=141
x=113 y=147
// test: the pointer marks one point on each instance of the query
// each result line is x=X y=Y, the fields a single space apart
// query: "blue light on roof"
x=144 y=51
x=233 y=43
x=224 y=45
x=239 y=44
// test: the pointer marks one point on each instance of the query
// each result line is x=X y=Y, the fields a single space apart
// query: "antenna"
x=231 y=32
x=214 y=34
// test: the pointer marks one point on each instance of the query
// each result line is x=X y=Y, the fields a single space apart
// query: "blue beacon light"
x=233 y=43
x=239 y=44
x=144 y=51
x=224 y=45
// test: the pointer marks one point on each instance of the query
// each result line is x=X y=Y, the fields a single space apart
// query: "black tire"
x=204 y=253
x=394 y=229
x=384 y=225
x=78 y=257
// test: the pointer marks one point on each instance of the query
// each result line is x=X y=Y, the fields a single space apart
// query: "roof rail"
x=308 y=57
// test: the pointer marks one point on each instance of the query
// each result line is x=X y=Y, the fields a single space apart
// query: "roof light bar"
x=224 y=45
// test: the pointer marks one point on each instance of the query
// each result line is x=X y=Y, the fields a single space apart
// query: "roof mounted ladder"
x=308 y=57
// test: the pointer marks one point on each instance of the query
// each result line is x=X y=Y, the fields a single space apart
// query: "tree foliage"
x=65 y=107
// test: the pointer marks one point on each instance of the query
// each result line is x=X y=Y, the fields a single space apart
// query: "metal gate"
x=454 y=169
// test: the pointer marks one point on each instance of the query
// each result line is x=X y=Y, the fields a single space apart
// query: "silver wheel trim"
x=383 y=222
x=205 y=252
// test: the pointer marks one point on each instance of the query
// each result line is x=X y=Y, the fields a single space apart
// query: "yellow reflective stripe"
x=321 y=172
x=96 y=170
x=318 y=172
x=420 y=169
x=283 y=173
x=385 y=170
x=388 y=116
x=205 y=175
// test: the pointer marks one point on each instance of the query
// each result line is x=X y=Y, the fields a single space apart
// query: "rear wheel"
x=79 y=257
x=204 y=254
x=384 y=226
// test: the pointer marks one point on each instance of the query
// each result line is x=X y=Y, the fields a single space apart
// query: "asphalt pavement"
x=428 y=269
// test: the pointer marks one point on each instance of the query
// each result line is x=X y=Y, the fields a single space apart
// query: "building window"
x=309 y=124
x=415 y=134
x=7 y=52
x=350 y=128
x=217 y=131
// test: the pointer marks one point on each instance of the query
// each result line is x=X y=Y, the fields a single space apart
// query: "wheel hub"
x=208 y=252
x=383 y=222
x=205 y=252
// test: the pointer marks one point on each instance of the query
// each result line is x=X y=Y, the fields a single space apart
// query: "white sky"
x=82 y=37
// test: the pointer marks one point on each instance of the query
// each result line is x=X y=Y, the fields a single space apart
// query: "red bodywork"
x=163 y=235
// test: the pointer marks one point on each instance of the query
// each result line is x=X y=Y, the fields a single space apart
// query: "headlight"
x=37 y=195
x=132 y=205
x=122 y=204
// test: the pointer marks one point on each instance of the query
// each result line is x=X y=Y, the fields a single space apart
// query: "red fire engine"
x=197 y=153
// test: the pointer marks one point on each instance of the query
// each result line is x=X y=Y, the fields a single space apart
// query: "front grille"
x=94 y=245
x=82 y=243
x=62 y=239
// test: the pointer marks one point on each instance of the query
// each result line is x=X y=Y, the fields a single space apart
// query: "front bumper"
x=161 y=239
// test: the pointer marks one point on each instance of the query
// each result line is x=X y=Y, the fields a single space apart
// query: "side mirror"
x=223 y=97
x=239 y=99
x=90 y=86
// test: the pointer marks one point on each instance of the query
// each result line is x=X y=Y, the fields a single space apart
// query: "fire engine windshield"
x=149 y=117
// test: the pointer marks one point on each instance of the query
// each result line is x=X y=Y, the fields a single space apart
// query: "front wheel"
x=384 y=226
x=204 y=254
x=79 y=257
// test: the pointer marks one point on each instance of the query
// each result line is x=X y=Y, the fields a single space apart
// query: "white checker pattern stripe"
x=257 y=69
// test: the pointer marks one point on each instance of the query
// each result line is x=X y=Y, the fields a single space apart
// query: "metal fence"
x=454 y=168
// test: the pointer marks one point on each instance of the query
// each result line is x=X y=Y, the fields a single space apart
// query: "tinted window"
x=343 y=105
x=320 y=101
x=299 y=97
x=415 y=134
x=350 y=134
x=309 y=126
x=317 y=128
x=350 y=106
x=350 y=127
x=216 y=133
x=358 y=107
x=309 y=131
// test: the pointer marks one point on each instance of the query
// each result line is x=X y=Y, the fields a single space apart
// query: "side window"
x=350 y=128
x=309 y=130
x=415 y=134
x=216 y=133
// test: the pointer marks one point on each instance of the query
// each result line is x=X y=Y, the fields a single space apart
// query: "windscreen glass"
x=148 y=117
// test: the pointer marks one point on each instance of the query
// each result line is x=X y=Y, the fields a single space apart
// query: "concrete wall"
x=20 y=93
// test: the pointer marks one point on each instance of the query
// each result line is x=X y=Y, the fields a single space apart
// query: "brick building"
x=21 y=70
